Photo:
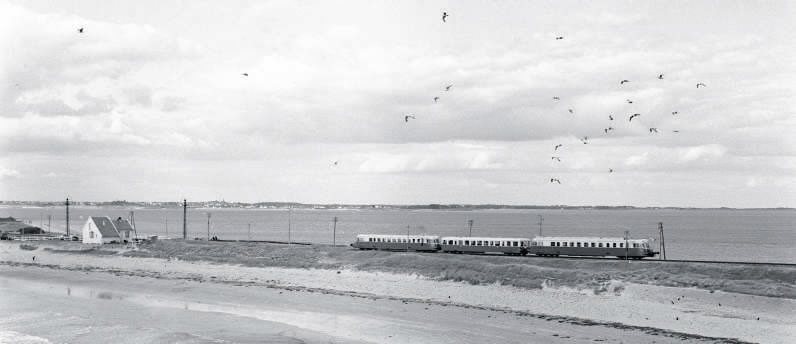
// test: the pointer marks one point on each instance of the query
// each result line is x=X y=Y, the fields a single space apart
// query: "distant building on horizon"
x=103 y=230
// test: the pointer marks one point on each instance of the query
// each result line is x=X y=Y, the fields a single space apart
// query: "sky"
x=150 y=102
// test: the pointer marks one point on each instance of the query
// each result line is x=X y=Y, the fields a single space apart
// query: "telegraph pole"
x=627 y=236
x=470 y=224
x=132 y=224
x=67 y=218
x=334 y=232
x=662 y=244
x=250 y=231
x=185 y=219
x=541 y=220
x=208 y=226
x=289 y=224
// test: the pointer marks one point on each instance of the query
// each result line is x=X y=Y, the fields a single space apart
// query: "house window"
x=91 y=235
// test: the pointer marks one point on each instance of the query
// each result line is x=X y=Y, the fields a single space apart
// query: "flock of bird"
x=584 y=139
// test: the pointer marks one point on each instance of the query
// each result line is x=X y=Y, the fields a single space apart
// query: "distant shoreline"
x=311 y=206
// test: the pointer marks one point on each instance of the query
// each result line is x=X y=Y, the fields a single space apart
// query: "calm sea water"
x=734 y=235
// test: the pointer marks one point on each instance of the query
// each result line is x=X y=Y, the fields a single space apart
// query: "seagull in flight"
x=555 y=180
x=335 y=163
x=660 y=76
x=675 y=131
x=444 y=16
x=557 y=147
x=674 y=113
x=629 y=101
x=610 y=170
x=610 y=117
x=701 y=84
x=556 y=158
x=633 y=116
x=245 y=74
x=80 y=30
x=608 y=129
x=448 y=88
x=654 y=130
x=407 y=117
x=556 y=98
x=623 y=82
x=571 y=111
x=435 y=99
x=585 y=140
x=558 y=38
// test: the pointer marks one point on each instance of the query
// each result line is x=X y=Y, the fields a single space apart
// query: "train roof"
x=562 y=238
x=483 y=238
x=392 y=236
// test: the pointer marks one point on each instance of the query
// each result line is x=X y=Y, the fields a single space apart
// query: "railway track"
x=670 y=261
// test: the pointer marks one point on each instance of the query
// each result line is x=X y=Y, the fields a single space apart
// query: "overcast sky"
x=149 y=102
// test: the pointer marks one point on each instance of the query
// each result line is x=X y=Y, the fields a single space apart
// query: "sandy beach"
x=316 y=294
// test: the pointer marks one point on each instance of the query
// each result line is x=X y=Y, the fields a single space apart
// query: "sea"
x=752 y=235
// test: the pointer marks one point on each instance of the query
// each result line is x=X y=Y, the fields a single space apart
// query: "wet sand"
x=96 y=307
x=88 y=296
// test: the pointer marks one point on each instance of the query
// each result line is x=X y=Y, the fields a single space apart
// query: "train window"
x=614 y=245
x=600 y=245
x=592 y=244
x=467 y=243
x=565 y=244
x=480 y=242
x=635 y=245
x=621 y=244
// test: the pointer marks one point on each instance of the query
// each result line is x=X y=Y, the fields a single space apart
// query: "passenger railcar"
x=511 y=246
x=591 y=246
x=392 y=242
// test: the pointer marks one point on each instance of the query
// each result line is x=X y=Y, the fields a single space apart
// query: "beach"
x=247 y=292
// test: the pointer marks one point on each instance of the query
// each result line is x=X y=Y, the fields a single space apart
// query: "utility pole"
x=541 y=220
x=67 y=218
x=185 y=219
x=470 y=224
x=250 y=231
x=407 y=238
x=627 y=249
x=334 y=232
x=289 y=224
x=132 y=224
x=49 y=223
x=662 y=244
x=208 y=226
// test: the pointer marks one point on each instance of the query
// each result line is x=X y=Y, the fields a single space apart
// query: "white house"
x=103 y=230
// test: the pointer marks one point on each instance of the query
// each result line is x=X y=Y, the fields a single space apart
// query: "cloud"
x=7 y=173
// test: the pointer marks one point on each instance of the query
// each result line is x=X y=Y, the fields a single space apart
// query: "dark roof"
x=105 y=226
x=122 y=225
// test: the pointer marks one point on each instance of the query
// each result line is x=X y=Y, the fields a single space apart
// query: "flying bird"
x=623 y=82
x=571 y=111
x=444 y=16
x=660 y=76
x=80 y=30
x=407 y=117
x=557 y=147
x=558 y=38
x=675 y=112
x=335 y=163
x=701 y=84
x=633 y=116
x=245 y=74
x=448 y=88
x=610 y=170
x=556 y=158
x=675 y=131
x=435 y=99
x=555 y=180
x=556 y=98
x=654 y=130
x=585 y=140
x=610 y=117
x=629 y=101
x=608 y=129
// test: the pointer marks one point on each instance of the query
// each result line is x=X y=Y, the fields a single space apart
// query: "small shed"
x=103 y=230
